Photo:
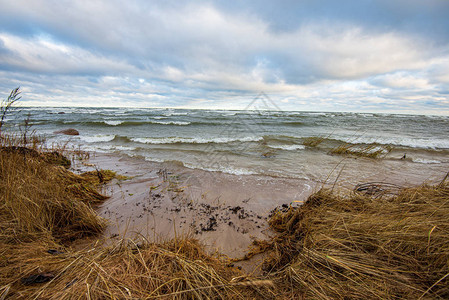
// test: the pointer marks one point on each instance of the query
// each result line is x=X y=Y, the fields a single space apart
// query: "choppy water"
x=241 y=142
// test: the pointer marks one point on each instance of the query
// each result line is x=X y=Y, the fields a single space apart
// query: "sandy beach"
x=226 y=212
x=161 y=200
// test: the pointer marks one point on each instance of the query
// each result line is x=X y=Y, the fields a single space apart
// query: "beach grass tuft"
x=40 y=197
x=363 y=246
x=313 y=141
x=176 y=269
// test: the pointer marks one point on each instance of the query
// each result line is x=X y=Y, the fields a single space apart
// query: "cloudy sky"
x=372 y=56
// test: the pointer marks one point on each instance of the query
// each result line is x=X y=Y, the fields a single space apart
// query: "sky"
x=307 y=55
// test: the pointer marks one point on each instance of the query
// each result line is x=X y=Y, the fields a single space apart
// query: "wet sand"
x=226 y=212
x=163 y=200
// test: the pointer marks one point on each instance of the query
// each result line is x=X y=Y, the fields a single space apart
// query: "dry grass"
x=39 y=197
x=313 y=141
x=364 y=247
x=178 y=269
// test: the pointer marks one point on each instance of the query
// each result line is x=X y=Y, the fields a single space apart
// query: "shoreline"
x=162 y=200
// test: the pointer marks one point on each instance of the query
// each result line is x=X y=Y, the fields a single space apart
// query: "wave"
x=117 y=123
x=400 y=142
x=270 y=122
x=425 y=161
x=117 y=148
x=311 y=113
x=287 y=147
x=113 y=123
x=223 y=169
x=97 y=138
x=134 y=123
x=176 y=114
x=366 y=115
x=179 y=140
x=180 y=123
x=156 y=120
x=282 y=139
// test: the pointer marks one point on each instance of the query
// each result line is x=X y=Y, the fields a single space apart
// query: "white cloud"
x=105 y=51
x=438 y=71
x=405 y=80
x=46 y=56
x=345 y=52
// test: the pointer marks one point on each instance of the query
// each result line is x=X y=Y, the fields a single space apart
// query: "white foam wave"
x=97 y=138
x=231 y=169
x=154 y=159
x=426 y=161
x=287 y=147
x=113 y=123
x=115 y=148
x=171 y=123
x=316 y=113
x=122 y=112
x=177 y=114
x=435 y=117
x=124 y=148
x=176 y=140
x=400 y=141
x=94 y=149
x=223 y=169
x=226 y=113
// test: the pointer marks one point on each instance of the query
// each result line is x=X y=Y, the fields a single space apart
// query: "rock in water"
x=69 y=131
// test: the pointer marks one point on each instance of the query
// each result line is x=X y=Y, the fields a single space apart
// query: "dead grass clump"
x=364 y=247
x=38 y=197
x=56 y=158
x=313 y=141
x=178 y=269
x=361 y=150
x=51 y=157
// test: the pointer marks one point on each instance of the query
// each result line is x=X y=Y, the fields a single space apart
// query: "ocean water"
x=242 y=142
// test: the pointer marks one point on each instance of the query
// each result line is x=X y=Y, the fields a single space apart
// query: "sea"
x=292 y=144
